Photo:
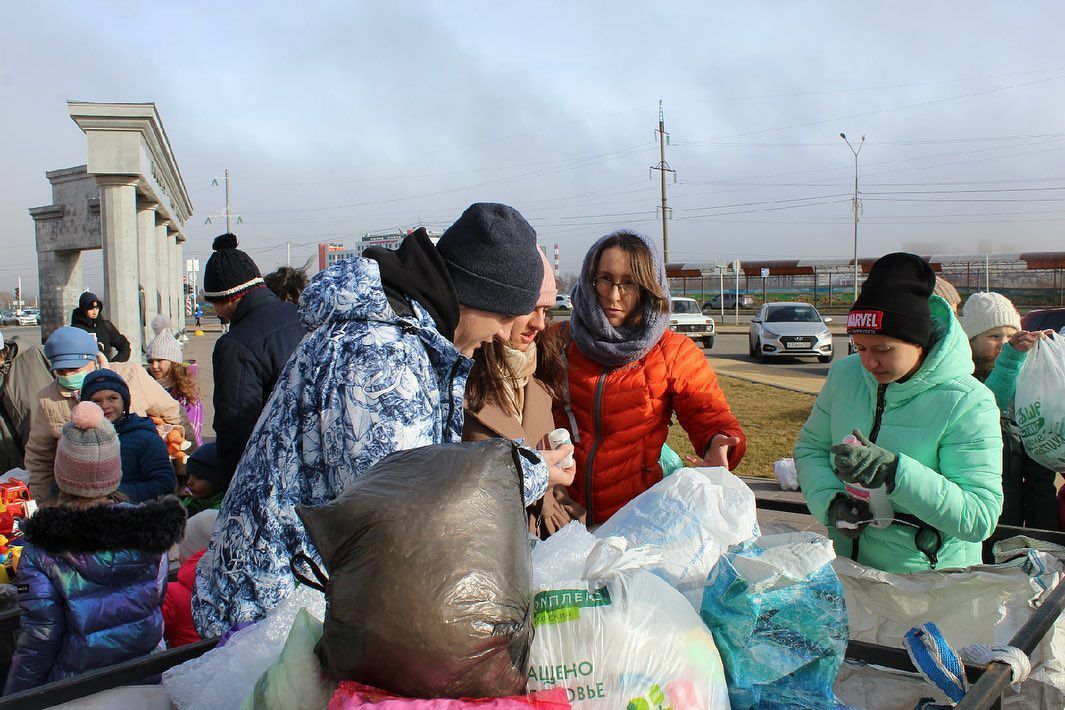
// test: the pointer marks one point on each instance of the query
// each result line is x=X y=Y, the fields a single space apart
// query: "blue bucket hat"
x=69 y=348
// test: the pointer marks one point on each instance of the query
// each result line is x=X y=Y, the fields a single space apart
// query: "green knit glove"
x=853 y=514
x=865 y=463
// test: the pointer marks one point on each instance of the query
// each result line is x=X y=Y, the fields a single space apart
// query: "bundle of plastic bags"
x=777 y=613
x=224 y=676
x=429 y=569
x=612 y=634
x=1039 y=403
x=691 y=517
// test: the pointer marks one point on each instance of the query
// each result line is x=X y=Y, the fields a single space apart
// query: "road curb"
x=755 y=381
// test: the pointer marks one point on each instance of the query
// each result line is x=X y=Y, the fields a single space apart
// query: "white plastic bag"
x=787 y=476
x=622 y=637
x=692 y=517
x=221 y=678
x=1039 y=403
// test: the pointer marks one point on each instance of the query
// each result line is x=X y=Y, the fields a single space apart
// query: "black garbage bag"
x=429 y=572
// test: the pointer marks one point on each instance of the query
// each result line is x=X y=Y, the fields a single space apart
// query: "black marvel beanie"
x=230 y=273
x=491 y=254
x=894 y=300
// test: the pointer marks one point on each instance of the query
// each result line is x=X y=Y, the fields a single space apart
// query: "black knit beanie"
x=491 y=255
x=203 y=464
x=230 y=273
x=894 y=300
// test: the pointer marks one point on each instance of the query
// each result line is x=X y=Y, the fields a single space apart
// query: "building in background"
x=331 y=253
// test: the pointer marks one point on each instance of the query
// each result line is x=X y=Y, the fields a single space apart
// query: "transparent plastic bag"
x=620 y=637
x=692 y=517
x=221 y=678
x=1039 y=403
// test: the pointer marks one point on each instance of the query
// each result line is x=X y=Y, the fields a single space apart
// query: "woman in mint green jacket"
x=928 y=431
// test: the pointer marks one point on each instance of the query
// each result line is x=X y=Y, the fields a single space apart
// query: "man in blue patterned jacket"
x=382 y=369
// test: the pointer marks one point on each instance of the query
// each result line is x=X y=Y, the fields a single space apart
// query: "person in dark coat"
x=112 y=344
x=146 y=469
x=248 y=359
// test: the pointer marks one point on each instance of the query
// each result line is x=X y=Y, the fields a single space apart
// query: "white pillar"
x=146 y=266
x=118 y=212
x=162 y=273
x=179 y=319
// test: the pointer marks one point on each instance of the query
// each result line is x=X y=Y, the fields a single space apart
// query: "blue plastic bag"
x=778 y=615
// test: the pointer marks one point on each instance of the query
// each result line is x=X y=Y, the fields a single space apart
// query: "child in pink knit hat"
x=93 y=570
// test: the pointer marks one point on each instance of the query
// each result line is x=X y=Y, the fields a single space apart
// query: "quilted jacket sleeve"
x=963 y=498
x=813 y=459
x=699 y=402
x=156 y=474
x=157 y=401
x=43 y=625
x=40 y=456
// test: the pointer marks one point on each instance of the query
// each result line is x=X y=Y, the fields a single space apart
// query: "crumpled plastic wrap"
x=692 y=517
x=221 y=678
x=776 y=609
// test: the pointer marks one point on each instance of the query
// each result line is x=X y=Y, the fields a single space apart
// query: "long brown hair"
x=643 y=269
x=184 y=383
x=491 y=377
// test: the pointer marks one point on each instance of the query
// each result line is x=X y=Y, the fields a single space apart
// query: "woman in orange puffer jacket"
x=627 y=374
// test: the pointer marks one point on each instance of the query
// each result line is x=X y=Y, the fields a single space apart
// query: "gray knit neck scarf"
x=602 y=342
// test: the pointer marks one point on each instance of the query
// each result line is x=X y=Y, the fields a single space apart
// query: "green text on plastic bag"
x=556 y=606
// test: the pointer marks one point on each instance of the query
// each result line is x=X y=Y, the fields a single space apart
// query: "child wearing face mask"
x=72 y=355
x=1000 y=348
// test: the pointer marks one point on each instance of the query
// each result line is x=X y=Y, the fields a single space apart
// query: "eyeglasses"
x=605 y=286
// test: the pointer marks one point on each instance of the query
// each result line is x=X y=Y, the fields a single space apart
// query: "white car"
x=562 y=302
x=686 y=318
x=27 y=318
x=790 y=330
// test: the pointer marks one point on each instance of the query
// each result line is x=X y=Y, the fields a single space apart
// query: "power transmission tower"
x=663 y=168
x=228 y=214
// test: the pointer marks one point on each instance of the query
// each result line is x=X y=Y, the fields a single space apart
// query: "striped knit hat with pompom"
x=88 y=461
x=230 y=273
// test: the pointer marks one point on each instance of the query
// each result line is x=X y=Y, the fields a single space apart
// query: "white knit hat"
x=165 y=347
x=984 y=311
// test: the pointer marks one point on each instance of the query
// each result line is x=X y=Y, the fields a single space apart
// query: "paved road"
x=28 y=333
x=729 y=356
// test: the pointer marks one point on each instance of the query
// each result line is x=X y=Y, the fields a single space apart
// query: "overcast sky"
x=336 y=120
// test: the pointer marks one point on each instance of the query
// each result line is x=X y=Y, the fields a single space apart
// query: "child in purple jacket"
x=92 y=575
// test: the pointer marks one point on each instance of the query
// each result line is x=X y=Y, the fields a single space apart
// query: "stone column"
x=146 y=266
x=59 y=276
x=179 y=250
x=161 y=297
x=118 y=212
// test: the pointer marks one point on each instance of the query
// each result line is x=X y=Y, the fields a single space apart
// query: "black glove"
x=855 y=515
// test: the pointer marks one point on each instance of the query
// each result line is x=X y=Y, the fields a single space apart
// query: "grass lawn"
x=770 y=416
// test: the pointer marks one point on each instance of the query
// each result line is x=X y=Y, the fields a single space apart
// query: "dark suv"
x=1046 y=319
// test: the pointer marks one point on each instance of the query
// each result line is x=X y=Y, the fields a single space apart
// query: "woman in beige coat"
x=509 y=395
x=73 y=353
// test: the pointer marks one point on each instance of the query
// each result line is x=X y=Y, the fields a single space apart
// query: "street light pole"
x=856 y=151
